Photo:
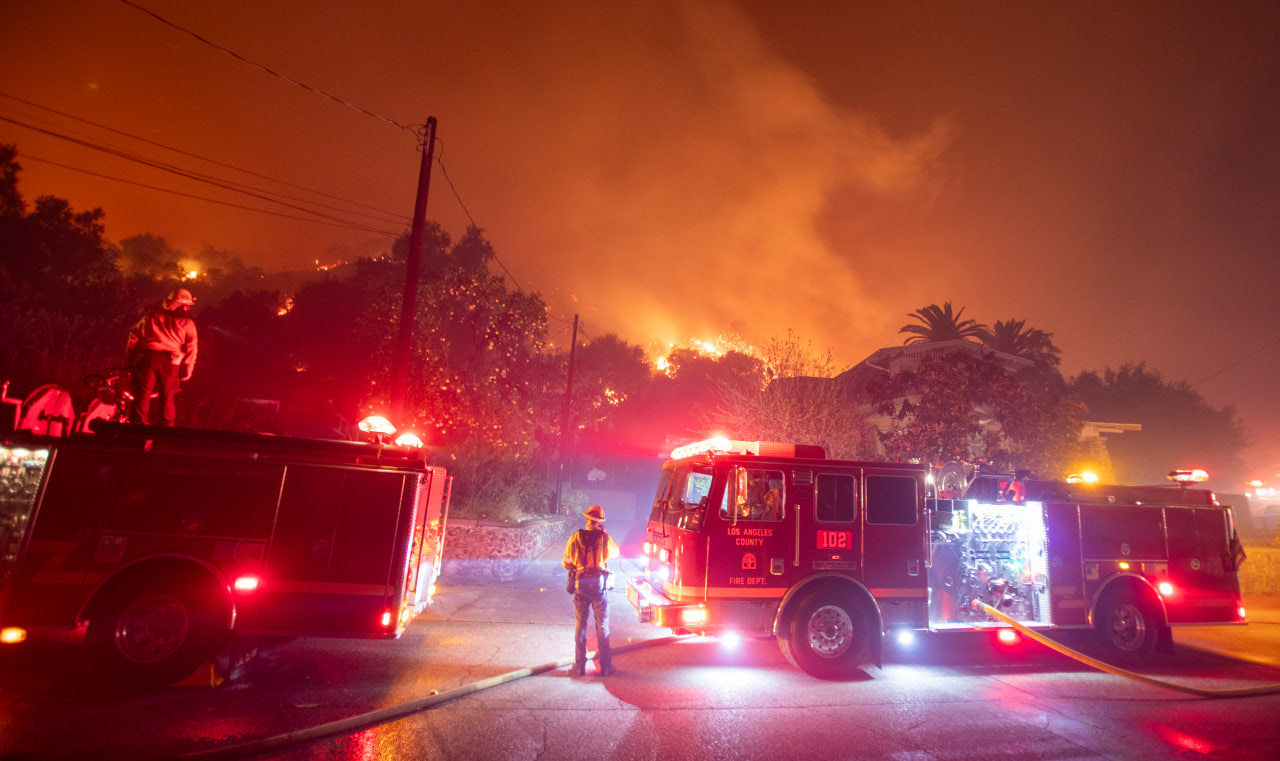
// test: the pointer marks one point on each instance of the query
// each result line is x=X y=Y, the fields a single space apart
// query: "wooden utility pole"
x=564 y=414
x=409 y=305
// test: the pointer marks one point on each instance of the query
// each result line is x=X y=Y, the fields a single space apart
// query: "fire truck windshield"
x=680 y=491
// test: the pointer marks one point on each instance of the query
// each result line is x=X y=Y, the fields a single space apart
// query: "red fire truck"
x=829 y=556
x=166 y=541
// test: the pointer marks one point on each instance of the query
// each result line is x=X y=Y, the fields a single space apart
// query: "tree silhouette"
x=1013 y=337
x=940 y=324
x=968 y=406
x=792 y=395
x=1179 y=427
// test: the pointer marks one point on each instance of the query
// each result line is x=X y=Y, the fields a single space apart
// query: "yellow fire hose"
x=1237 y=692
x=392 y=713
x=386 y=715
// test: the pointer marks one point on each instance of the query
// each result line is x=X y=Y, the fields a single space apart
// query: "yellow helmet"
x=179 y=298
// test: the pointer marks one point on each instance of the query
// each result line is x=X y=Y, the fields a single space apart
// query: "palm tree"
x=1014 y=337
x=939 y=324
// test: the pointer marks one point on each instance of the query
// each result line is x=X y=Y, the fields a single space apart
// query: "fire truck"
x=833 y=556
x=164 y=542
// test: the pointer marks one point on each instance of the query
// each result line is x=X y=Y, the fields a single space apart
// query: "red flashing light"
x=377 y=424
x=1165 y=589
x=246 y=583
x=1007 y=637
x=386 y=618
x=693 y=616
x=409 y=439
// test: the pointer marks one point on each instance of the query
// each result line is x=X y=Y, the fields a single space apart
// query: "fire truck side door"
x=752 y=528
x=893 y=544
x=329 y=565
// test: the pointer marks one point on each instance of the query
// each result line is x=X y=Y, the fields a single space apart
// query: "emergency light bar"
x=377 y=424
x=718 y=444
x=721 y=445
x=1188 y=476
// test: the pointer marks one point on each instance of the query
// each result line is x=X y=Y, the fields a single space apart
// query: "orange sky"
x=1109 y=172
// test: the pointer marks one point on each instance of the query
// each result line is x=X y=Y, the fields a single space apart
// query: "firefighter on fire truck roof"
x=586 y=557
x=161 y=353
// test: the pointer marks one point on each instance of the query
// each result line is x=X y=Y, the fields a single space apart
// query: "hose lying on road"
x=392 y=713
x=1237 y=692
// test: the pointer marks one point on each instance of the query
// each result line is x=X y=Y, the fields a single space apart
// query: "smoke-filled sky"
x=1107 y=171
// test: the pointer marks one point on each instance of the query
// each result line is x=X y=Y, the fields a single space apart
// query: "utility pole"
x=409 y=305
x=564 y=412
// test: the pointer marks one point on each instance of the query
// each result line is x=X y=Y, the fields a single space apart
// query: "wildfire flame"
x=714 y=349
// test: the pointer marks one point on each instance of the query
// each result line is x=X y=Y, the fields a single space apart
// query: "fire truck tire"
x=1126 y=627
x=153 y=632
x=827 y=636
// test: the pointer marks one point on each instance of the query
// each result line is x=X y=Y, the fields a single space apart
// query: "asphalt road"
x=952 y=698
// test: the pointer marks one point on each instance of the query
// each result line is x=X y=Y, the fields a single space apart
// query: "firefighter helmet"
x=595 y=513
x=179 y=298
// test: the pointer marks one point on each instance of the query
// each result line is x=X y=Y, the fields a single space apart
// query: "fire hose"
x=1235 y=692
x=393 y=713
x=386 y=715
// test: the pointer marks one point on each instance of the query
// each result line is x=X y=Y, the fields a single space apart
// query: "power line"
x=419 y=132
x=210 y=200
x=334 y=98
x=226 y=185
x=414 y=130
x=449 y=180
x=396 y=218
x=270 y=71
x=1238 y=362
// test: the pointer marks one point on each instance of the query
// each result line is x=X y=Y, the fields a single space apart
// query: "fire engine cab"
x=771 y=539
x=166 y=541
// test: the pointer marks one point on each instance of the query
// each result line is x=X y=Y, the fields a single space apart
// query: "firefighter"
x=161 y=353
x=586 y=557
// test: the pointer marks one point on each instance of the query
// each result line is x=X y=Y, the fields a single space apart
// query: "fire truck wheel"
x=153 y=632
x=827 y=636
x=1126 y=626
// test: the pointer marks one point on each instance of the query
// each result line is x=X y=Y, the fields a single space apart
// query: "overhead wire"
x=189 y=174
x=226 y=184
x=131 y=136
x=445 y=172
x=1240 y=361
x=206 y=198
x=413 y=129
x=268 y=70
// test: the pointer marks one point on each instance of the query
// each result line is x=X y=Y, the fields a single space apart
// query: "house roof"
x=892 y=359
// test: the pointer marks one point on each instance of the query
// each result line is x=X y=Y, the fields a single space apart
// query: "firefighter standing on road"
x=586 y=556
x=162 y=352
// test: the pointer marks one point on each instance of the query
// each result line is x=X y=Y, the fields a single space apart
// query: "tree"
x=12 y=206
x=476 y=370
x=149 y=256
x=791 y=396
x=53 y=256
x=936 y=410
x=608 y=374
x=966 y=406
x=1040 y=424
x=1179 y=428
x=939 y=324
x=1013 y=337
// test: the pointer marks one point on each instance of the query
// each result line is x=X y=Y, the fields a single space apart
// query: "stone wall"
x=493 y=550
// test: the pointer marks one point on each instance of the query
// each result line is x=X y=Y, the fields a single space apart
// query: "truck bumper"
x=655 y=608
